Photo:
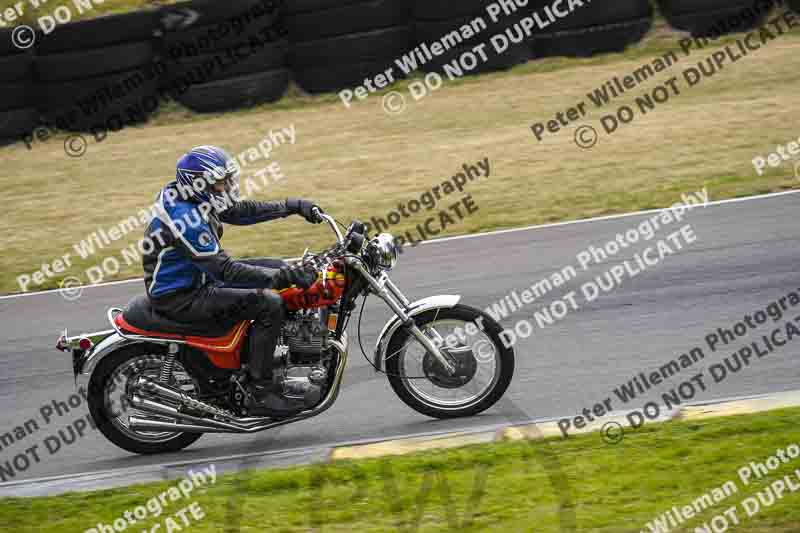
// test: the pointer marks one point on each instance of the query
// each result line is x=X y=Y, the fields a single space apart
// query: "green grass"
x=510 y=486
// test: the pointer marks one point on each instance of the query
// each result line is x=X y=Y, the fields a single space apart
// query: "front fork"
x=396 y=300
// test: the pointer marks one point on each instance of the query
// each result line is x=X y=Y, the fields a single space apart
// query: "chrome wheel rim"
x=116 y=395
x=477 y=357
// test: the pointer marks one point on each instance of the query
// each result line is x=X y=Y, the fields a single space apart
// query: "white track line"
x=476 y=235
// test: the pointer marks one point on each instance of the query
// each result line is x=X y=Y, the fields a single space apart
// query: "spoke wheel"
x=483 y=365
x=109 y=393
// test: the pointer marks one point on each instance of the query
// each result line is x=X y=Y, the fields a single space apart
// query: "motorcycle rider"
x=189 y=278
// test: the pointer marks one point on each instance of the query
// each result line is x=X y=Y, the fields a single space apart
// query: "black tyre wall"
x=715 y=17
x=376 y=45
x=183 y=15
x=304 y=6
x=599 y=41
x=230 y=63
x=340 y=62
x=7 y=46
x=351 y=18
x=231 y=93
x=213 y=38
x=595 y=28
x=99 y=32
x=100 y=102
x=15 y=96
x=90 y=63
x=17 y=122
x=332 y=78
x=15 y=68
x=449 y=9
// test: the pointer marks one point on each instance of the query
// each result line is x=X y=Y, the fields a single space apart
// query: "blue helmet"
x=203 y=166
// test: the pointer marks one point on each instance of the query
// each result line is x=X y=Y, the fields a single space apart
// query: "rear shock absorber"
x=168 y=364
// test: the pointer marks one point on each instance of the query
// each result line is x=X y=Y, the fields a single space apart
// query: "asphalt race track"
x=745 y=256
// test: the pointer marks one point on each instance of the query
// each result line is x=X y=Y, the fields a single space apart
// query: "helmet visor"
x=229 y=176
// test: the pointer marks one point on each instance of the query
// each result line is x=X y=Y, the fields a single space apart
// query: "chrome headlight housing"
x=382 y=251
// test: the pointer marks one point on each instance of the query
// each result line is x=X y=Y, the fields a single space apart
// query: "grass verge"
x=361 y=162
x=509 y=486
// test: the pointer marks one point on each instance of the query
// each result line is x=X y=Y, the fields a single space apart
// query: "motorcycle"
x=156 y=385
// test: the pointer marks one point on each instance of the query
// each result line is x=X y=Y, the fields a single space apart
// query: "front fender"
x=415 y=308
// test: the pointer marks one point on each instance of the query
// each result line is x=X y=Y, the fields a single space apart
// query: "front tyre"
x=109 y=406
x=472 y=340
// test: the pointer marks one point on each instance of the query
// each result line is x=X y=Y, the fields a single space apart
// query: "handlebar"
x=331 y=222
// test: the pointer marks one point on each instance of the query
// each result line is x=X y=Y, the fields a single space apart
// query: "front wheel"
x=471 y=339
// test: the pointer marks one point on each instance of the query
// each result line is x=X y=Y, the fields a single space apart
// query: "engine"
x=305 y=336
x=304 y=341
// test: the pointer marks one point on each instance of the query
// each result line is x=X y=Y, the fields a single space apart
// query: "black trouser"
x=228 y=305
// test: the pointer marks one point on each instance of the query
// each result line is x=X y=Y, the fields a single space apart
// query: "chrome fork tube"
x=396 y=292
x=389 y=293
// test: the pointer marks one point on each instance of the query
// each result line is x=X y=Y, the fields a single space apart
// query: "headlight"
x=383 y=251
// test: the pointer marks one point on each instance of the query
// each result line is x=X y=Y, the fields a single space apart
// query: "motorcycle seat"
x=139 y=318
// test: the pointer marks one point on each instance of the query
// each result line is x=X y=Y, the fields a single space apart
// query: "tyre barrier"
x=712 y=18
x=597 y=28
x=218 y=65
x=17 y=117
x=348 y=56
x=337 y=20
x=212 y=56
x=473 y=54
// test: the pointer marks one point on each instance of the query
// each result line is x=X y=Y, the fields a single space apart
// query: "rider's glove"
x=302 y=276
x=304 y=208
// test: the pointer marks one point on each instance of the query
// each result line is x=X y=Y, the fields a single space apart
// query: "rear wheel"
x=471 y=339
x=109 y=406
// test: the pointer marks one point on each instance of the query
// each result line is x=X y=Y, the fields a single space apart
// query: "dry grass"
x=361 y=162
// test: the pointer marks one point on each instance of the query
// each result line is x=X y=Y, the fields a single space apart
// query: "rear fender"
x=414 y=309
x=104 y=343
x=107 y=346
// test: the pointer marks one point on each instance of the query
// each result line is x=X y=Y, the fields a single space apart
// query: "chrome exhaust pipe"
x=194 y=424
x=146 y=424
x=157 y=408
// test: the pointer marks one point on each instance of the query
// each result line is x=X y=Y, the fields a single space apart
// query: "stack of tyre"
x=224 y=55
x=337 y=44
x=449 y=25
x=711 y=18
x=17 y=115
x=593 y=28
x=97 y=74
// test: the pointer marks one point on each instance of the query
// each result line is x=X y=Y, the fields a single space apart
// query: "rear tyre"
x=107 y=400
x=485 y=364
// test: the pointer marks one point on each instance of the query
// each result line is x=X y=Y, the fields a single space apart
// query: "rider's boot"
x=266 y=391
